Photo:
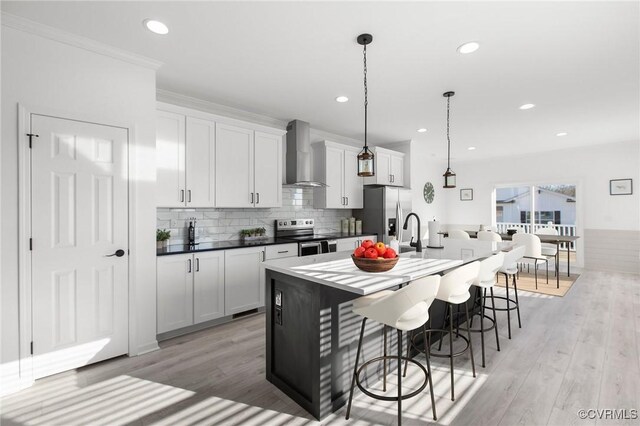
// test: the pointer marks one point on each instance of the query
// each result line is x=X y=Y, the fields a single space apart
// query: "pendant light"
x=366 y=165
x=449 y=176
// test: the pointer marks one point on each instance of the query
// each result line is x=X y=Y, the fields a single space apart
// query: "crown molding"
x=61 y=36
x=174 y=98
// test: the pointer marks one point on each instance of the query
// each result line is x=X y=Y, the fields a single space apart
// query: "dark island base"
x=312 y=338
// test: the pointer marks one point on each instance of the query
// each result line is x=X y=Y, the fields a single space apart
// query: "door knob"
x=118 y=253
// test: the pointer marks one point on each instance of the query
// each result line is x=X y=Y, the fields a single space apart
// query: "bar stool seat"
x=404 y=310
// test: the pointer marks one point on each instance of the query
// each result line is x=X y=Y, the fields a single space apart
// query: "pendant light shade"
x=449 y=175
x=366 y=163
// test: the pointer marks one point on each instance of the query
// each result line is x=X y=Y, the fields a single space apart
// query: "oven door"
x=309 y=249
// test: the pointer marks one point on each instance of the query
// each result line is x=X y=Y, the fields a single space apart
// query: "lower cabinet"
x=190 y=289
x=352 y=243
x=244 y=279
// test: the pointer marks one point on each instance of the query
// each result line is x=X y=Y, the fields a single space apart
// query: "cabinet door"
x=347 y=244
x=243 y=280
x=383 y=168
x=234 y=167
x=397 y=170
x=174 y=292
x=334 y=178
x=268 y=170
x=353 y=184
x=170 y=159
x=200 y=160
x=208 y=286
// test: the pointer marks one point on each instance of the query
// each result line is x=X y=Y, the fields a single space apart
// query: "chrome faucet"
x=417 y=244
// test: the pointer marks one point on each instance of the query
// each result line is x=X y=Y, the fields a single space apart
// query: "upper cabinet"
x=248 y=168
x=209 y=161
x=389 y=168
x=337 y=166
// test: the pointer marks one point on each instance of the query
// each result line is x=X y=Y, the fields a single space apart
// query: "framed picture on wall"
x=466 y=194
x=620 y=187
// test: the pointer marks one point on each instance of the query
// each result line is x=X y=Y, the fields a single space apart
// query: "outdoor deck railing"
x=526 y=228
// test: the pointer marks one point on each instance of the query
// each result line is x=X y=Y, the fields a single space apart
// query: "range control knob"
x=285 y=223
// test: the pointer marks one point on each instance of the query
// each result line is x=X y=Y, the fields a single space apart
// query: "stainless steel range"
x=302 y=231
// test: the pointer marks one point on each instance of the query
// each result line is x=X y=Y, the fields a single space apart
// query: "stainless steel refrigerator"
x=385 y=208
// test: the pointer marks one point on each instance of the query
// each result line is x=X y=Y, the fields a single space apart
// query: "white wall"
x=590 y=168
x=39 y=72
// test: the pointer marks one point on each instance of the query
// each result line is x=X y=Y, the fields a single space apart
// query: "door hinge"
x=30 y=244
x=31 y=136
x=31 y=348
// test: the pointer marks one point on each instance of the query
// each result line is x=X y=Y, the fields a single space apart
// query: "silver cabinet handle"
x=347 y=200
x=252 y=198
x=257 y=198
x=189 y=193
x=264 y=255
x=182 y=195
x=189 y=270
x=283 y=251
x=197 y=264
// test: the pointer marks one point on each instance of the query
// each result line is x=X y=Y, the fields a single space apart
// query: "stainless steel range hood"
x=299 y=156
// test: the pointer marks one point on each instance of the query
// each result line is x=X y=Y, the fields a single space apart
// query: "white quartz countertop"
x=338 y=270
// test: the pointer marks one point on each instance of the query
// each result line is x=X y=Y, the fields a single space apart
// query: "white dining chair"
x=458 y=234
x=549 y=249
x=489 y=236
x=532 y=252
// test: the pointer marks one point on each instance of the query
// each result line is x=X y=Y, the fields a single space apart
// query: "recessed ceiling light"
x=527 y=106
x=471 y=148
x=342 y=99
x=422 y=130
x=469 y=47
x=156 y=26
x=561 y=134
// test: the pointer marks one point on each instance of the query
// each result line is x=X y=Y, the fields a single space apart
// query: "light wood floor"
x=581 y=351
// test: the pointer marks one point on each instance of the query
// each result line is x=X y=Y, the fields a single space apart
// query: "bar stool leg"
x=444 y=323
x=399 y=377
x=547 y=263
x=473 y=363
x=515 y=289
x=406 y=361
x=384 y=362
x=453 y=398
x=536 y=268
x=482 y=325
x=495 y=321
x=427 y=354
x=355 y=368
x=508 y=305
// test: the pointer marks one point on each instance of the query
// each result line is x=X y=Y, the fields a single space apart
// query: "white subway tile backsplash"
x=225 y=224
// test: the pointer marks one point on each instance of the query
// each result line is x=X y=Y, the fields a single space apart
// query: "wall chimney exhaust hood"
x=299 y=156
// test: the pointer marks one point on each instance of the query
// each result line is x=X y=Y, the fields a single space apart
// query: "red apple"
x=371 y=253
x=381 y=248
x=390 y=253
x=367 y=243
x=359 y=252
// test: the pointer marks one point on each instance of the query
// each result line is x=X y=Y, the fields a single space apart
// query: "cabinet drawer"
x=281 y=250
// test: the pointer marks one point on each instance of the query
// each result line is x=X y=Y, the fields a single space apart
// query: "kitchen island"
x=312 y=334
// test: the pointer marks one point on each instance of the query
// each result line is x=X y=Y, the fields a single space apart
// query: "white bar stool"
x=404 y=309
x=510 y=269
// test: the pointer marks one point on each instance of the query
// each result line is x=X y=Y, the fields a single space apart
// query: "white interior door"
x=79 y=217
x=268 y=177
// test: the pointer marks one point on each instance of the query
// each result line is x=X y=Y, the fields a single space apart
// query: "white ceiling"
x=577 y=61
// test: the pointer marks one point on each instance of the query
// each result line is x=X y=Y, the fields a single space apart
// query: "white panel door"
x=334 y=178
x=397 y=170
x=200 y=160
x=234 y=167
x=383 y=168
x=268 y=173
x=170 y=160
x=208 y=286
x=244 y=280
x=174 y=291
x=353 y=184
x=79 y=218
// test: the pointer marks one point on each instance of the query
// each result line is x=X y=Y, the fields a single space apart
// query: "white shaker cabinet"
x=248 y=168
x=190 y=289
x=389 y=168
x=185 y=150
x=350 y=244
x=337 y=166
x=244 y=279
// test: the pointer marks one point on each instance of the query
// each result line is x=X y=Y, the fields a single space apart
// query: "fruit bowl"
x=374 y=265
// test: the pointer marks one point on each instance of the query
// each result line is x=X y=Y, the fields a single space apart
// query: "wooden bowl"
x=374 y=265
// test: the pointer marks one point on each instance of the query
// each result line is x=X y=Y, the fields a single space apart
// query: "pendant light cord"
x=448 y=139
x=366 y=95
